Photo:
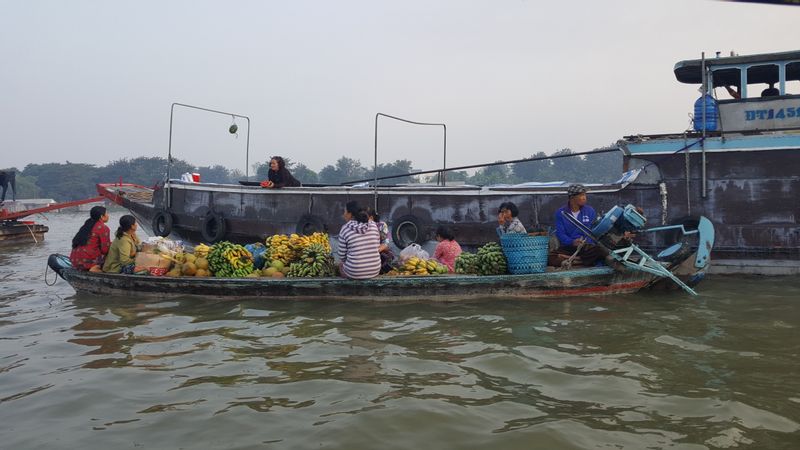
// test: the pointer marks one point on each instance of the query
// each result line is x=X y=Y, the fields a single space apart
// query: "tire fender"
x=213 y=227
x=162 y=223
x=407 y=230
x=309 y=224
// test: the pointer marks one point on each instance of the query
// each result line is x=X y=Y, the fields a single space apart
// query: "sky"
x=94 y=81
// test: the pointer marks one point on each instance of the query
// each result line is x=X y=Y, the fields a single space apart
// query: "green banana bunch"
x=491 y=260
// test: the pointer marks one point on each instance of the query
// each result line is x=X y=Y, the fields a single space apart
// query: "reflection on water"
x=651 y=370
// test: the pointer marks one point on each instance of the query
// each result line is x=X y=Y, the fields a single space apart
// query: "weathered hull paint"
x=17 y=233
x=448 y=288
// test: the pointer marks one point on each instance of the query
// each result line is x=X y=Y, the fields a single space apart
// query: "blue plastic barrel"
x=712 y=114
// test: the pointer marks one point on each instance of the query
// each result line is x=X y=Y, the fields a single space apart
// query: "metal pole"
x=703 y=142
x=444 y=156
x=247 y=153
x=375 y=166
x=172 y=110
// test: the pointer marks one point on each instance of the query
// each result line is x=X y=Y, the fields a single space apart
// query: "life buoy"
x=407 y=230
x=213 y=227
x=310 y=224
x=162 y=224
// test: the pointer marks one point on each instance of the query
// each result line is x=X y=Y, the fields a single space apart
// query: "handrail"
x=171 y=114
x=375 y=167
x=474 y=166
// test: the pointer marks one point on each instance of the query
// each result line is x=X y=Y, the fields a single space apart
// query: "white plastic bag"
x=411 y=251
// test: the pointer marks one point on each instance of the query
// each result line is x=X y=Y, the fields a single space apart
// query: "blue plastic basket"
x=525 y=254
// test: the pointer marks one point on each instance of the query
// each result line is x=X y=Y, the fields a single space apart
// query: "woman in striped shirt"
x=359 y=240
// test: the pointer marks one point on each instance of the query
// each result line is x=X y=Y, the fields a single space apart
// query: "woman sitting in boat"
x=447 y=250
x=278 y=175
x=387 y=255
x=509 y=222
x=90 y=245
x=359 y=240
x=123 y=250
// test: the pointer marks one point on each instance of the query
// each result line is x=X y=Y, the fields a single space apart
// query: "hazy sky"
x=93 y=81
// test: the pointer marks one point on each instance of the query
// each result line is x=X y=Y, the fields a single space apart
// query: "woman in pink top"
x=448 y=249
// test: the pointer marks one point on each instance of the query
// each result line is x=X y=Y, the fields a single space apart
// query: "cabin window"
x=793 y=78
x=726 y=77
x=762 y=81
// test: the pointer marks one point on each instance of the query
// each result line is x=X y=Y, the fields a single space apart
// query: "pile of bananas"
x=289 y=248
x=315 y=261
x=230 y=260
x=278 y=248
x=491 y=260
x=419 y=266
x=467 y=263
x=201 y=251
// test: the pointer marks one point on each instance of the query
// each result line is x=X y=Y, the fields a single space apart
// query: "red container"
x=158 y=271
x=196 y=177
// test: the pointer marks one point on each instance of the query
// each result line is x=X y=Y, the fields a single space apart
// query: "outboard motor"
x=612 y=227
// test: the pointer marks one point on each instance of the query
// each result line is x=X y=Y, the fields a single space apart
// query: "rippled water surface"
x=640 y=371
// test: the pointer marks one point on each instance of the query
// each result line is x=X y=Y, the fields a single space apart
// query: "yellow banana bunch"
x=321 y=238
x=418 y=266
x=201 y=251
x=278 y=248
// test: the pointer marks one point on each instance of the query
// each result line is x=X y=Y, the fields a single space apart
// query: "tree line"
x=73 y=181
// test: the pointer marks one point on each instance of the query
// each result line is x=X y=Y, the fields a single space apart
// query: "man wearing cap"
x=571 y=239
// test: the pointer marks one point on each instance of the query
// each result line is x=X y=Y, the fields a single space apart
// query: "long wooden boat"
x=446 y=288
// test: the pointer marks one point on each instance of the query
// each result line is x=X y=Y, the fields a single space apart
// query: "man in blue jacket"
x=570 y=238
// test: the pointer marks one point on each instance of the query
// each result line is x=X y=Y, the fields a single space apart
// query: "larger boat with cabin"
x=739 y=166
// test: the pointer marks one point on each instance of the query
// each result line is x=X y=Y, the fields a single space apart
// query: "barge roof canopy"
x=689 y=71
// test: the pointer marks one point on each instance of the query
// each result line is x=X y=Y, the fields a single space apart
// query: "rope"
x=47 y=269
x=31 y=232
x=567 y=263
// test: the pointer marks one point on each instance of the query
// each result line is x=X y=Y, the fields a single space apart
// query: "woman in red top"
x=448 y=249
x=90 y=245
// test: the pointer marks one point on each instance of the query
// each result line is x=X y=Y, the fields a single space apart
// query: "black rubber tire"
x=407 y=230
x=213 y=227
x=162 y=223
x=310 y=224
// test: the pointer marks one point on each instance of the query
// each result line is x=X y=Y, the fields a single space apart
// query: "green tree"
x=63 y=182
x=346 y=169
x=399 y=167
x=500 y=174
x=215 y=174
x=304 y=174
x=534 y=170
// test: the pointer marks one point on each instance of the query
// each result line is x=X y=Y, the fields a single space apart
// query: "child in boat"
x=359 y=240
x=122 y=253
x=387 y=255
x=91 y=242
x=447 y=250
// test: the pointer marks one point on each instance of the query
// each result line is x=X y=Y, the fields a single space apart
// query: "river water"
x=651 y=370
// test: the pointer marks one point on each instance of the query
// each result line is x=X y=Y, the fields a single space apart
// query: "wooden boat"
x=445 y=288
x=683 y=264
x=12 y=232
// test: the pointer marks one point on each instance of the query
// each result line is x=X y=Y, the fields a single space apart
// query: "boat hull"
x=18 y=232
x=447 y=288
